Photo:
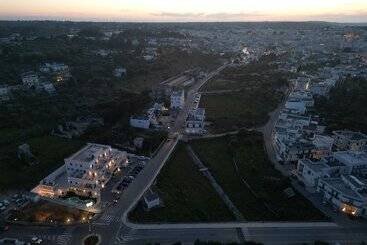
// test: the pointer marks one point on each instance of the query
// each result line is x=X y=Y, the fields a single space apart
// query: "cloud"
x=219 y=16
x=179 y=15
x=235 y=16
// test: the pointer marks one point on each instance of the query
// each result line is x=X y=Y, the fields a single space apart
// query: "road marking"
x=64 y=239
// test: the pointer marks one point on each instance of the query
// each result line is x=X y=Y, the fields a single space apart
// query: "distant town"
x=183 y=133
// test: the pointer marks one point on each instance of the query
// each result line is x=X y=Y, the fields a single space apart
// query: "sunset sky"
x=186 y=10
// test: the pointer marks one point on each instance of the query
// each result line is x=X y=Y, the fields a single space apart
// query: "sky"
x=185 y=10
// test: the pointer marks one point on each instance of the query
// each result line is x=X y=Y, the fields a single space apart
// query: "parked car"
x=36 y=240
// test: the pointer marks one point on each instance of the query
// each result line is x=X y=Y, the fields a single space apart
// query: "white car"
x=36 y=240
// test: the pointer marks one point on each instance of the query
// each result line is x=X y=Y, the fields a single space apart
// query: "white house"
x=309 y=172
x=120 y=72
x=4 y=94
x=304 y=96
x=151 y=200
x=320 y=89
x=323 y=146
x=355 y=161
x=53 y=67
x=296 y=105
x=349 y=140
x=30 y=80
x=142 y=121
x=348 y=193
x=195 y=121
x=178 y=99
x=49 y=88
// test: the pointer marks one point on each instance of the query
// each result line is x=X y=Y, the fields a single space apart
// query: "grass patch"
x=270 y=203
x=50 y=151
x=186 y=194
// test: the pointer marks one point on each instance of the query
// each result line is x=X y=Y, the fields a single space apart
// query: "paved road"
x=272 y=234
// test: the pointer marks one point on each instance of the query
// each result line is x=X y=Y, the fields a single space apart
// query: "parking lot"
x=121 y=180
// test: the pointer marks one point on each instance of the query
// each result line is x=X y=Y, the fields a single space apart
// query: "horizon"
x=339 y=11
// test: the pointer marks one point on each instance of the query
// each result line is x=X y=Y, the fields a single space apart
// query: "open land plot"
x=186 y=194
x=168 y=64
x=232 y=111
x=262 y=73
x=253 y=91
x=262 y=198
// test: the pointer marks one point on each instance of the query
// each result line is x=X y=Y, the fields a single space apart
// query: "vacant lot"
x=186 y=194
x=231 y=111
x=234 y=160
x=49 y=151
x=252 y=91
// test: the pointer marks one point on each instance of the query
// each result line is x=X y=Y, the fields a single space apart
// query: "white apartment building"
x=85 y=173
x=348 y=193
x=178 y=99
x=30 y=80
x=320 y=89
x=323 y=146
x=309 y=172
x=349 y=140
x=142 y=121
x=195 y=121
x=355 y=161
x=296 y=106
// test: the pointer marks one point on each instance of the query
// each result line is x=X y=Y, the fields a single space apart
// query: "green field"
x=186 y=194
x=267 y=183
x=253 y=91
x=231 y=111
x=50 y=152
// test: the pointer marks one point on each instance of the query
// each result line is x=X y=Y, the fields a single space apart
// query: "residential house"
x=348 y=193
x=140 y=121
x=178 y=99
x=349 y=140
x=309 y=172
x=30 y=80
x=355 y=161
x=120 y=72
x=195 y=121
x=4 y=94
x=296 y=106
x=151 y=200
x=323 y=146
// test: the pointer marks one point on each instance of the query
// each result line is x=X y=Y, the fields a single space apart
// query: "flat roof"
x=351 y=135
x=87 y=153
x=332 y=162
x=315 y=166
x=351 y=158
x=339 y=185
